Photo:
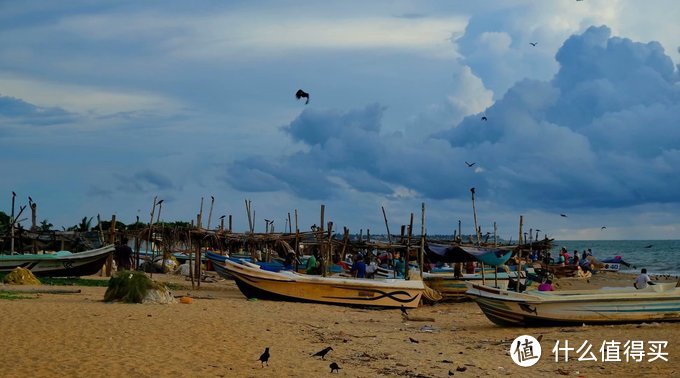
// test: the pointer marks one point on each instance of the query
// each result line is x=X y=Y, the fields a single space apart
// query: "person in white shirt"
x=642 y=280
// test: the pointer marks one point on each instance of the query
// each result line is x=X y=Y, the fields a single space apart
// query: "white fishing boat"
x=660 y=302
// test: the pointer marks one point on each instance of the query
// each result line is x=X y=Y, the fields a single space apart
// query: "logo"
x=525 y=350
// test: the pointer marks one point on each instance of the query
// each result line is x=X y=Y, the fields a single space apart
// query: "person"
x=576 y=259
x=290 y=260
x=642 y=280
x=358 y=267
x=561 y=259
x=337 y=261
x=585 y=254
x=399 y=266
x=312 y=266
x=123 y=255
x=546 y=286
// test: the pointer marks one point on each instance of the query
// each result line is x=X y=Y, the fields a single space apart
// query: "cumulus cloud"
x=601 y=133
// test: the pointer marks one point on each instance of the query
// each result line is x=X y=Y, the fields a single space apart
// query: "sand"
x=78 y=335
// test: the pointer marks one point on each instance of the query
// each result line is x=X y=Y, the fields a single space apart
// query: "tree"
x=45 y=225
x=85 y=225
x=4 y=222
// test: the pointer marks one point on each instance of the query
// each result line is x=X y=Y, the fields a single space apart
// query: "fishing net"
x=135 y=287
x=21 y=276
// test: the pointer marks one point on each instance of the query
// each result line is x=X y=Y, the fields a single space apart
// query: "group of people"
x=359 y=266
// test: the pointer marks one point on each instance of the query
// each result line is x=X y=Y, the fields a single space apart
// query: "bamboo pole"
x=200 y=215
x=290 y=225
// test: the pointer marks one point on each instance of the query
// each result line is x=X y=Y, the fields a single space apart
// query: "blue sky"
x=104 y=105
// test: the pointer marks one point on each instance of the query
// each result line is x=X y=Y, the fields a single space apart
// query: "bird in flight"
x=264 y=357
x=648 y=246
x=335 y=367
x=322 y=353
x=470 y=164
x=484 y=118
x=603 y=228
x=533 y=43
x=563 y=215
x=302 y=94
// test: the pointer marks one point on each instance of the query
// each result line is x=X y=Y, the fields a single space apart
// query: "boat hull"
x=289 y=286
x=73 y=265
x=616 y=305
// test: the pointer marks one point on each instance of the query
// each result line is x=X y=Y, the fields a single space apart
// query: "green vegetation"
x=74 y=281
x=11 y=295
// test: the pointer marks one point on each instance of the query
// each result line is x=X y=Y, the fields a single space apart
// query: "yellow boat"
x=290 y=286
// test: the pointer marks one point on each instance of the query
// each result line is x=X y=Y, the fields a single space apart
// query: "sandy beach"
x=78 y=335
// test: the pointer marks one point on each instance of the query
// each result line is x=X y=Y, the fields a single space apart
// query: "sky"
x=105 y=105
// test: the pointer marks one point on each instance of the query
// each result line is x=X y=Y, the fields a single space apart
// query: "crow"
x=322 y=353
x=484 y=118
x=563 y=215
x=533 y=43
x=335 y=367
x=302 y=94
x=264 y=357
x=470 y=164
x=403 y=310
x=411 y=339
x=603 y=228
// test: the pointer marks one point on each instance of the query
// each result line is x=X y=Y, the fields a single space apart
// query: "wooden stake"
x=212 y=202
x=421 y=257
x=407 y=257
x=148 y=240
x=112 y=240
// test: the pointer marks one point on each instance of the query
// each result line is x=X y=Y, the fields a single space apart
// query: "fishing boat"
x=59 y=264
x=255 y=282
x=660 y=302
x=454 y=288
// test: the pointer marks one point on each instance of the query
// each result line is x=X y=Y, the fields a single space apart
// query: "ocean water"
x=663 y=257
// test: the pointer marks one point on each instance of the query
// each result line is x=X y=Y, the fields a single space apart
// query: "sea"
x=657 y=256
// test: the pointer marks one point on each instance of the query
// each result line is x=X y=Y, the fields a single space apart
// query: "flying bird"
x=563 y=215
x=603 y=228
x=648 y=246
x=533 y=43
x=322 y=353
x=484 y=118
x=302 y=94
x=335 y=367
x=264 y=357
x=470 y=164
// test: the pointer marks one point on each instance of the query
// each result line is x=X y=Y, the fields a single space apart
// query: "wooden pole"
x=148 y=240
x=495 y=235
x=421 y=257
x=290 y=225
x=407 y=256
x=329 y=251
x=11 y=224
x=460 y=236
x=112 y=240
x=474 y=212
x=389 y=237
x=200 y=215
x=230 y=223
x=212 y=202
x=323 y=210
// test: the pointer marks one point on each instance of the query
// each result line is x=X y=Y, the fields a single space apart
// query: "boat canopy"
x=458 y=254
